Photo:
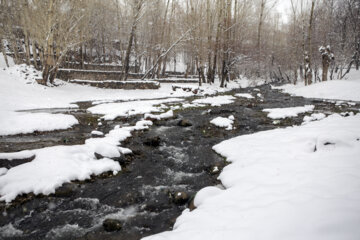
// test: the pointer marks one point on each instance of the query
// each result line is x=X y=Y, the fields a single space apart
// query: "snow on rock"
x=12 y=123
x=346 y=114
x=313 y=117
x=97 y=133
x=224 y=122
x=296 y=183
x=279 y=113
x=125 y=109
x=204 y=194
x=166 y=115
x=54 y=166
x=125 y=151
x=336 y=89
x=192 y=105
x=216 y=101
x=244 y=95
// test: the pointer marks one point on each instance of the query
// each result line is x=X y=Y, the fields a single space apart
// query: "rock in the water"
x=112 y=225
x=98 y=156
x=215 y=170
x=251 y=105
x=191 y=204
x=153 y=141
x=184 y=123
x=180 y=198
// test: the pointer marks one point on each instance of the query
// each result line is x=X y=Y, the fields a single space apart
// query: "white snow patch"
x=336 y=89
x=97 y=133
x=124 y=151
x=224 y=122
x=125 y=109
x=244 y=95
x=54 y=166
x=313 y=117
x=216 y=101
x=17 y=155
x=165 y=115
x=278 y=187
x=279 y=113
x=12 y=123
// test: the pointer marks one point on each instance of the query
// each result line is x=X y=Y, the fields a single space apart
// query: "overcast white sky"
x=283 y=7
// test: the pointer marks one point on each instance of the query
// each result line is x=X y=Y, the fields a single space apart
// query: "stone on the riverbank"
x=112 y=225
x=67 y=190
x=180 y=198
x=153 y=141
x=185 y=123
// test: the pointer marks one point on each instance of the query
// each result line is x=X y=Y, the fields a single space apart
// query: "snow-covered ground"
x=294 y=183
x=23 y=122
x=300 y=182
x=19 y=91
x=347 y=89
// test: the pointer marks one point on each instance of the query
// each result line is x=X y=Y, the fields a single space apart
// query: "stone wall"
x=100 y=67
x=71 y=74
x=119 y=84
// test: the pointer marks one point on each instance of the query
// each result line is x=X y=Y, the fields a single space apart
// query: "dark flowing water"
x=142 y=195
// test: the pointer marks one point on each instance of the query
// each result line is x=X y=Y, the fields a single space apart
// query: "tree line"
x=224 y=38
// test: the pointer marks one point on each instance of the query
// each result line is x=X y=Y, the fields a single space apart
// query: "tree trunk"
x=14 y=47
x=3 y=52
x=295 y=76
x=225 y=62
x=308 y=70
x=27 y=48
x=137 y=10
x=35 y=56
x=209 y=16
x=82 y=56
x=217 y=39
x=258 y=45
x=128 y=51
x=175 y=64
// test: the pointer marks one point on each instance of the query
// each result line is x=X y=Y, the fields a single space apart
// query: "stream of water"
x=141 y=196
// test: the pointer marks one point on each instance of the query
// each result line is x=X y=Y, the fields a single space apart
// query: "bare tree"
x=308 y=69
x=137 y=12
